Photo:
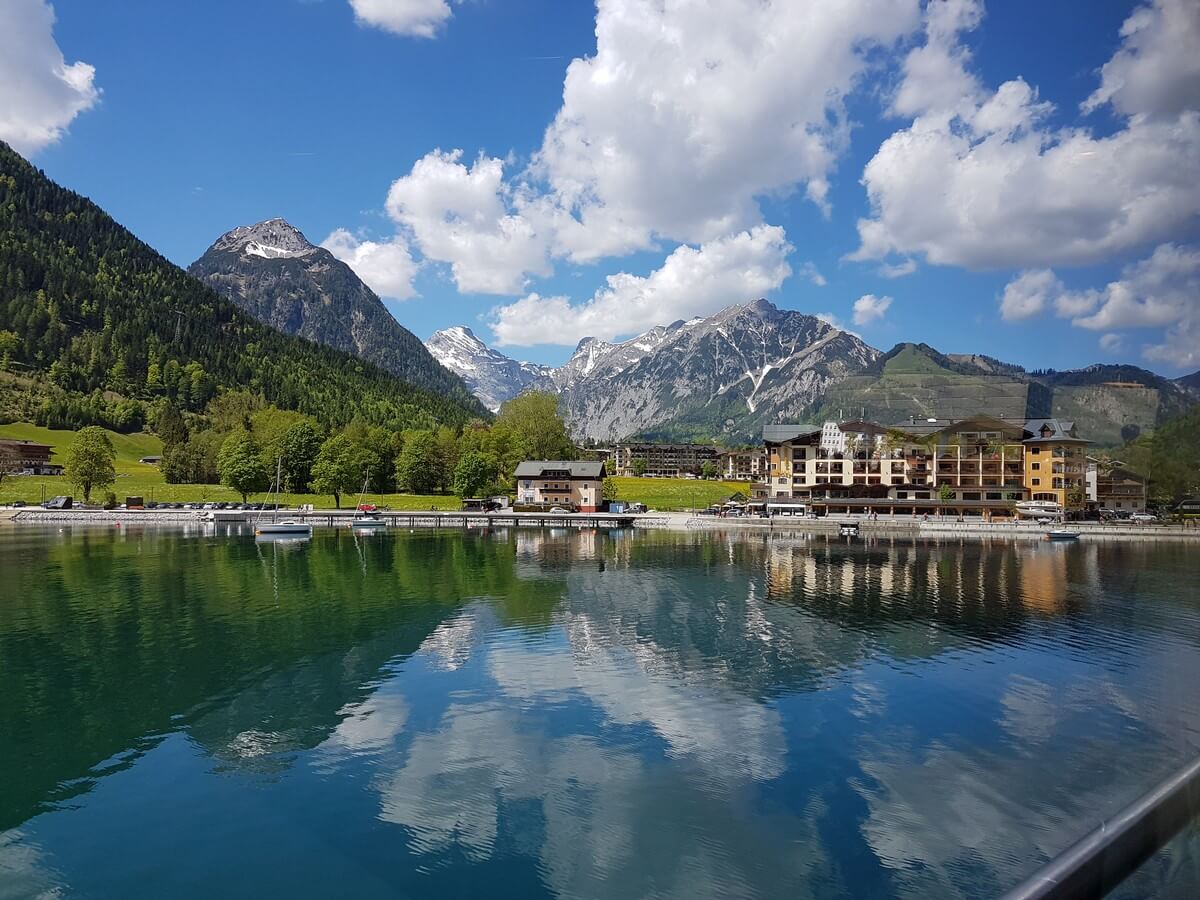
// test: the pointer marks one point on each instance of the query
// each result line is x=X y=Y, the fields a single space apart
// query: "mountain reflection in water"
x=580 y=714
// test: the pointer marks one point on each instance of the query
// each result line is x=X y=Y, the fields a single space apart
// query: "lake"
x=559 y=713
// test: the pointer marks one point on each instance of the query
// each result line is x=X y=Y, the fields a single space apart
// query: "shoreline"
x=675 y=521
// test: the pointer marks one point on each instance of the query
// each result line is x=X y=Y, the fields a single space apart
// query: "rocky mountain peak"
x=272 y=239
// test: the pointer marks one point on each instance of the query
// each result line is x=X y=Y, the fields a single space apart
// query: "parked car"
x=17 y=504
x=559 y=509
x=1143 y=518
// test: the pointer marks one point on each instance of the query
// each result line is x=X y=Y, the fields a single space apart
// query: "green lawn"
x=677 y=493
x=136 y=479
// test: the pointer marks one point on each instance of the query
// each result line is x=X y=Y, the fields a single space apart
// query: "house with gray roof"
x=574 y=484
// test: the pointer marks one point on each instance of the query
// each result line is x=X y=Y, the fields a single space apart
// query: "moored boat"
x=1061 y=534
x=366 y=518
x=288 y=527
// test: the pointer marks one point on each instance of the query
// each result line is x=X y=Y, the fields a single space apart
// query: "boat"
x=848 y=529
x=288 y=527
x=365 y=517
x=1061 y=534
x=1038 y=509
x=293 y=528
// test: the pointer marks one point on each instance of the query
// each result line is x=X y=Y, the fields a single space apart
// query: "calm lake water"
x=580 y=714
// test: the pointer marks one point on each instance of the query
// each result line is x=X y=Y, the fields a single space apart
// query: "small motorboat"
x=848 y=529
x=367 y=523
x=1061 y=534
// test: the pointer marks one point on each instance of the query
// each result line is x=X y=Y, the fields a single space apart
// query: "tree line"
x=242 y=443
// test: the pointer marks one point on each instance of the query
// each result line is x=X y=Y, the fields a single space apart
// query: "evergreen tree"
x=170 y=427
x=90 y=461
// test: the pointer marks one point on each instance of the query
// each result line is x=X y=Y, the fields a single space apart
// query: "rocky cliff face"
x=492 y=376
x=274 y=273
x=725 y=374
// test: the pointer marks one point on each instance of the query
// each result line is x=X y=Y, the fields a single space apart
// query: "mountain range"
x=100 y=323
x=725 y=376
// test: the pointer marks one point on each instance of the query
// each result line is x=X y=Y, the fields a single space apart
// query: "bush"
x=110 y=500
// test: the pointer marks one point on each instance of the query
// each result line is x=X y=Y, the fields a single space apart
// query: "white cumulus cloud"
x=464 y=215
x=981 y=180
x=1029 y=294
x=687 y=115
x=693 y=281
x=1160 y=291
x=868 y=308
x=387 y=267
x=690 y=111
x=409 y=18
x=1157 y=69
x=40 y=94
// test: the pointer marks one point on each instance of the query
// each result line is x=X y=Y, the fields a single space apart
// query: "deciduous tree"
x=473 y=474
x=90 y=461
x=240 y=465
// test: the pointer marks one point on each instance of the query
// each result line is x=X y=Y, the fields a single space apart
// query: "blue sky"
x=1045 y=202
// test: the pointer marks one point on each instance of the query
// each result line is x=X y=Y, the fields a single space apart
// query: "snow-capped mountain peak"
x=492 y=376
x=272 y=239
x=744 y=364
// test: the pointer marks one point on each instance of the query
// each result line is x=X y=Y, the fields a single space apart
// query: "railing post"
x=1097 y=863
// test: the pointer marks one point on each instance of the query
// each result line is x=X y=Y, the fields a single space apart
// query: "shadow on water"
x=581 y=713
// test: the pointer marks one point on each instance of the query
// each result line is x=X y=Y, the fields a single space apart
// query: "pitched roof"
x=778 y=434
x=575 y=468
x=1059 y=430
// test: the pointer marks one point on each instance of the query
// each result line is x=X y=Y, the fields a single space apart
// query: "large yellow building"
x=1055 y=463
x=979 y=466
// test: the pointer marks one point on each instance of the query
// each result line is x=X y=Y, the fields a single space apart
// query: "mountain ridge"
x=274 y=273
x=662 y=384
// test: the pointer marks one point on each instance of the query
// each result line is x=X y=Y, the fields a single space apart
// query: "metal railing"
x=1099 y=862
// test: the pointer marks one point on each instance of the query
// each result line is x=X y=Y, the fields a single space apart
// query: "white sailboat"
x=366 y=520
x=290 y=528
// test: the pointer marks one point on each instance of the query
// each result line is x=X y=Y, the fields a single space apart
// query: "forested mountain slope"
x=94 y=309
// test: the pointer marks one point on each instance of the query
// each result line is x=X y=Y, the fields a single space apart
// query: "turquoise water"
x=580 y=714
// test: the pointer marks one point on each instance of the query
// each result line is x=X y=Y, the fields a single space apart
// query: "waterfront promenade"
x=889 y=525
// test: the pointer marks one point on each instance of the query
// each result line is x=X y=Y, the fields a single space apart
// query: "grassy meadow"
x=135 y=479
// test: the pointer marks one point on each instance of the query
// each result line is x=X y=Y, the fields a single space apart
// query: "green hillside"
x=130 y=447
x=87 y=307
x=915 y=380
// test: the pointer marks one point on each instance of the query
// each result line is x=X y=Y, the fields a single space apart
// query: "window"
x=1036 y=466
x=1035 y=449
x=1036 y=482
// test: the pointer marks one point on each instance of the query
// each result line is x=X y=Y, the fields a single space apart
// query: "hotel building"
x=664 y=460
x=980 y=466
x=744 y=465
